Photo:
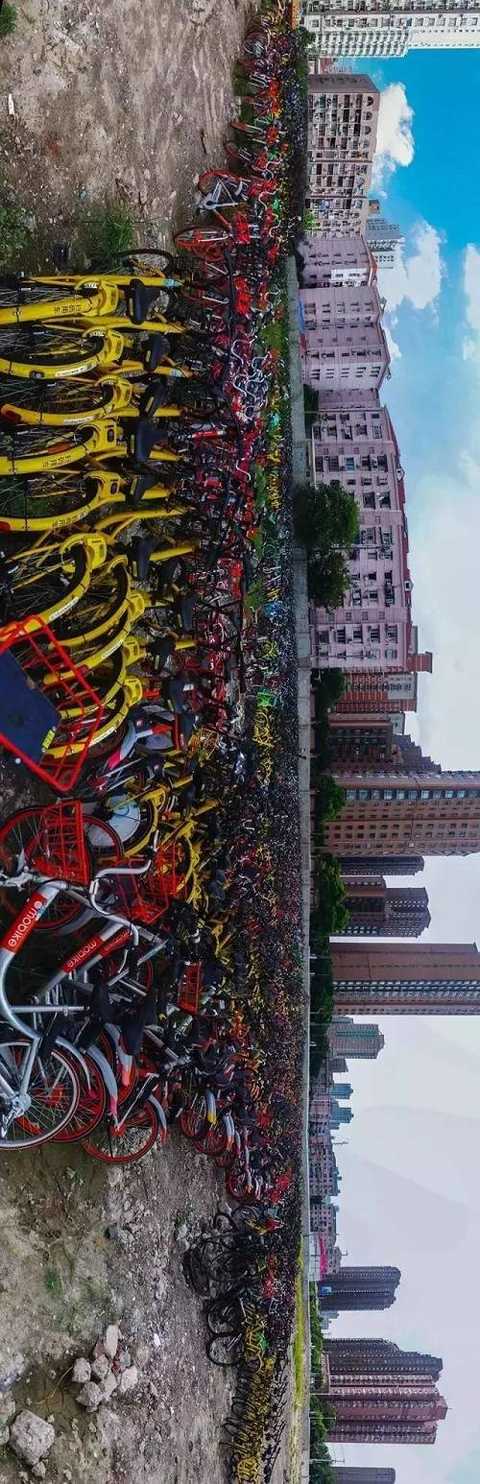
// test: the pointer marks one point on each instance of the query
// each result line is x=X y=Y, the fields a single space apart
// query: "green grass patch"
x=8 y=20
x=299 y=1339
x=106 y=230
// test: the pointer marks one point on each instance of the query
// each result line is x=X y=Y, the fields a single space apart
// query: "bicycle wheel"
x=47 y=402
x=225 y=1350
x=103 y=604
x=204 y=242
x=45 y=502
x=91 y=1107
x=224 y=1315
x=52 y=351
x=54 y=1091
x=129 y=1144
x=48 y=586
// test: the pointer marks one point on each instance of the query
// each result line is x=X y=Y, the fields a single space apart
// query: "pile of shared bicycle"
x=143 y=474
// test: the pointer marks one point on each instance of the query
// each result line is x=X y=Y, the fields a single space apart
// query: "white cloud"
x=471 y=288
x=416 y=277
x=395 y=145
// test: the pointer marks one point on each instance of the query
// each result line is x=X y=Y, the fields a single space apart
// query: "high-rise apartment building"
x=392 y=865
x=406 y=979
x=385 y=1409
x=378 y=1358
x=384 y=814
x=359 y=1288
x=383 y=238
x=345 y=28
x=335 y=262
x=391 y=692
x=378 y=910
x=342 y=136
x=344 y=1475
x=351 y=1038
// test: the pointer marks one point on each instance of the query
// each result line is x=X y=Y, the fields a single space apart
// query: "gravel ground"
x=113 y=97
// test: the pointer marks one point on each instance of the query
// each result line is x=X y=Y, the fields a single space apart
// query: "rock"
x=39 y=1470
x=109 y=1386
x=67 y=1474
x=110 y=1343
x=31 y=1438
x=182 y=1233
x=82 y=1370
x=124 y=1359
x=11 y=1374
x=128 y=1380
x=157 y=1341
x=117 y=1233
x=7 y=1410
x=108 y=1427
x=100 y=1367
x=90 y=1396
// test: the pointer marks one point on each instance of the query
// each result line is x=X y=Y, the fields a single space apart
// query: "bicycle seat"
x=140 y=551
x=154 y=397
x=187 y=724
x=139 y=298
x=184 y=611
x=168 y=572
x=156 y=351
x=143 y=439
x=161 y=650
x=139 y=486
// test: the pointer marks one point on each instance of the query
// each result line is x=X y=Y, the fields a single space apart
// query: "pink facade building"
x=340 y=305
x=345 y=358
x=372 y=631
x=342 y=135
x=336 y=261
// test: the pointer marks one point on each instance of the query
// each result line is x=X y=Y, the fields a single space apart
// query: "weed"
x=14 y=233
x=53 y=1282
x=105 y=232
x=8 y=19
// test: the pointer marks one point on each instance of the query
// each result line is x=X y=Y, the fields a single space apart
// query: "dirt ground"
x=130 y=100
x=113 y=97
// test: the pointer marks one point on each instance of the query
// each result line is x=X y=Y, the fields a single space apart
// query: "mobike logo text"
x=23 y=926
x=95 y=945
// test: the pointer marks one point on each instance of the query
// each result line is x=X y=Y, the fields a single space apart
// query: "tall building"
x=392 y=865
x=346 y=28
x=359 y=1288
x=378 y=910
x=345 y=1475
x=406 y=979
x=372 y=629
x=391 y=691
x=383 y=238
x=334 y=262
x=342 y=136
x=385 y=1409
x=351 y=1038
x=434 y=813
x=377 y=1358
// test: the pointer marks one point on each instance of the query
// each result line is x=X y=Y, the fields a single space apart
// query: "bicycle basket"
x=50 y=712
x=57 y=850
x=189 y=989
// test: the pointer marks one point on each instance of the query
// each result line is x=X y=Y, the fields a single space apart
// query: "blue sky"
x=411 y=1168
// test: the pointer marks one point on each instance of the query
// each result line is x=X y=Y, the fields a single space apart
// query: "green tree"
x=329 y=797
x=326 y=517
x=328 y=579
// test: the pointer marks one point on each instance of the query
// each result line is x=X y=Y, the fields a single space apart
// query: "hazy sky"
x=411 y=1169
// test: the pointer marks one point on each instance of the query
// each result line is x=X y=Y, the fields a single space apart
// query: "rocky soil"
x=116 y=98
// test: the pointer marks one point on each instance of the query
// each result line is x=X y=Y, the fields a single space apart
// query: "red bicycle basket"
x=57 y=714
x=58 y=850
x=189 y=989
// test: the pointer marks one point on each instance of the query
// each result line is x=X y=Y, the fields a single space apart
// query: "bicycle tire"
x=135 y=1141
x=64 y=1095
x=90 y=1110
x=224 y=1350
x=56 y=352
x=52 y=502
